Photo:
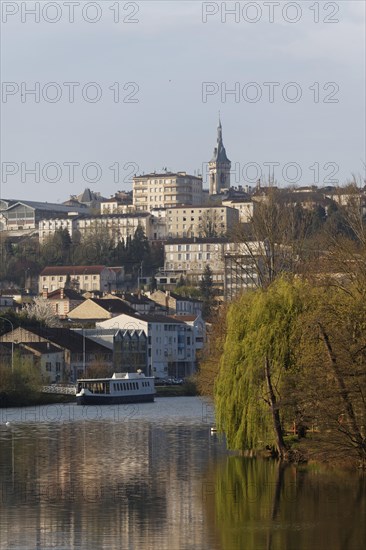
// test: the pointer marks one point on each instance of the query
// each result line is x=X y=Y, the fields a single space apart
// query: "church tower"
x=219 y=166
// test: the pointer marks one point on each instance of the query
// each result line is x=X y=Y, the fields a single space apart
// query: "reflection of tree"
x=257 y=503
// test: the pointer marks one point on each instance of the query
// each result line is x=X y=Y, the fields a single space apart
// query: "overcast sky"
x=163 y=71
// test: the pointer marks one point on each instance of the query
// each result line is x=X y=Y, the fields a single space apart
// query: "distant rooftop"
x=47 y=206
x=167 y=175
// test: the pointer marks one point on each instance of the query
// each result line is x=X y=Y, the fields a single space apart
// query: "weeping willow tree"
x=257 y=358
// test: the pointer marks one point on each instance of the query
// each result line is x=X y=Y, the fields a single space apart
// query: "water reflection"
x=155 y=478
x=104 y=484
x=261 y=504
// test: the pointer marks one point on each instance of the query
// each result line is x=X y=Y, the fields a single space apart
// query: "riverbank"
x=35 y=399
x=13 y=399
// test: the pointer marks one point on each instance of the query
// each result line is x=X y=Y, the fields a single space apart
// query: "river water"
x=152 y=476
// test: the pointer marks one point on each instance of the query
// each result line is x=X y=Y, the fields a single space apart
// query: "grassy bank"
x=185 y=390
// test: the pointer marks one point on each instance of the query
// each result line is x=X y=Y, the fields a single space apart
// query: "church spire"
x=219 y=165
x=219 y=133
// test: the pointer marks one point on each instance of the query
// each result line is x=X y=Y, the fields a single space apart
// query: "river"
x=151 y=476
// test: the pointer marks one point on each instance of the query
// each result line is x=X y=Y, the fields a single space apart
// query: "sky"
x=124 y=88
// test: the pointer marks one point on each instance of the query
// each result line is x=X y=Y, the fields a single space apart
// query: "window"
x=48 y=367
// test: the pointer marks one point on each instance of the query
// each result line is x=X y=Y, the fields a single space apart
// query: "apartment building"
x=120 y=226
x=166 y=190
x=189 y=258
x=80 y=277
x=116 y=206
x=171 y=343
x=214 y=221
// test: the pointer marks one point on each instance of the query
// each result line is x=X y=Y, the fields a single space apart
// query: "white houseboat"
x=130 y=387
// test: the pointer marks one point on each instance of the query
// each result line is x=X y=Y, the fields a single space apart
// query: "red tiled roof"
x=68 y=293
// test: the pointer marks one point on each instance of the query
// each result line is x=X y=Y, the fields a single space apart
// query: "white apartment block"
x=120 y=226
x=115 y=206
x=48 y=227
x=166 y=190
x=214 y=221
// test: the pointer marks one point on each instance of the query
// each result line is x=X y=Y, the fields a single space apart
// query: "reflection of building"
x=98 y=477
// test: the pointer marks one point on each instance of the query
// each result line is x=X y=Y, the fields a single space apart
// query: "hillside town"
x=132 y=281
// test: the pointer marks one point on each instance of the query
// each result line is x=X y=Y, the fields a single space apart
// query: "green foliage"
x=258 y=327
x=23 y=382
x=207 y=292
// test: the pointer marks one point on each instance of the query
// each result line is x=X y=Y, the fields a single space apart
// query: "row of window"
x=61 y=279
x=124 y=386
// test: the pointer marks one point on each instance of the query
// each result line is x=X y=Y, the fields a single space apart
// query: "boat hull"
x=113 y=399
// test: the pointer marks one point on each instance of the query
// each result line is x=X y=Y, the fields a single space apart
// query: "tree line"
x=286 y=361
x=27 y=257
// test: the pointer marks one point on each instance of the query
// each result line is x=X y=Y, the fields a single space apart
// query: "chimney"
x=61 y=293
